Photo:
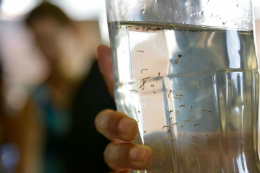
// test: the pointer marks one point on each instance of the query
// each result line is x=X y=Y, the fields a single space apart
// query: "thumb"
x=105 y=63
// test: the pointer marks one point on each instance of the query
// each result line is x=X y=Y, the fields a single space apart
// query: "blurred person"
x=55 y=132
x=83 y=148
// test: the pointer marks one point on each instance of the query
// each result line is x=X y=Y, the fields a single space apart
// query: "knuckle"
x=102 y=118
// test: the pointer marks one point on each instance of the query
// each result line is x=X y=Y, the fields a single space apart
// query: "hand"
x=120 y=155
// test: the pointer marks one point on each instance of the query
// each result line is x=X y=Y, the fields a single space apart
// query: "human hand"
x=121 y=154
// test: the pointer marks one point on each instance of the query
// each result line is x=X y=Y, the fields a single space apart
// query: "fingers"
x=127 y=155
x=121 y=156
x=116 y=125
x=105 y=63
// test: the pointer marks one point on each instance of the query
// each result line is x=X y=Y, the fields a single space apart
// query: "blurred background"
x=23 y=67
x=23 y=64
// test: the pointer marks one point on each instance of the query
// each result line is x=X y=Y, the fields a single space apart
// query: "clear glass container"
x=187 y=71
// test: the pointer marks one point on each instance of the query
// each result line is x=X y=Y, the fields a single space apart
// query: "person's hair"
x=49 y=10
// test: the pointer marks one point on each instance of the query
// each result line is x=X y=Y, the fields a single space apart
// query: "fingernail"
x=140 y=154
x=126 y=126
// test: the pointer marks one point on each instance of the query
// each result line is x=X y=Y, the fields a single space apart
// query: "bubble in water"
x=183 y=22
x=187 y=4
x=143 y=11
x=200 y=13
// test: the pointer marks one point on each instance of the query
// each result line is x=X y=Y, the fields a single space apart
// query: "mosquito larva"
x=208 y=137
x=178 y=60
x=166 y=137
x=181 y=135
x=159 y=74
x=189 y=118
x=169 y=93
x=144 y=81
x=166 y=126
x=206 y=111
x=197 y=86
x=170 y=111
x=177 y=98
x=146 y=77
x=142 y=86
x=196 y=125
x=143 y=70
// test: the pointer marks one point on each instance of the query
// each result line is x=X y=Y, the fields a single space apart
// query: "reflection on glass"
x=192 y=91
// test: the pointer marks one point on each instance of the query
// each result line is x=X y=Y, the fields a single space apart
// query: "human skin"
x=121 y=154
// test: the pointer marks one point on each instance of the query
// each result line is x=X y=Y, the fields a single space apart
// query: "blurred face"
x=49 y=35
x=61 y=46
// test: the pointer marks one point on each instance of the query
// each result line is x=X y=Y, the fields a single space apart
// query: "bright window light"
x=16 y=8
x=256 y=3
x=82 y=9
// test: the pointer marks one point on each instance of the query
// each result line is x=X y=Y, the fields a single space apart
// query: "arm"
x=29 y=137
